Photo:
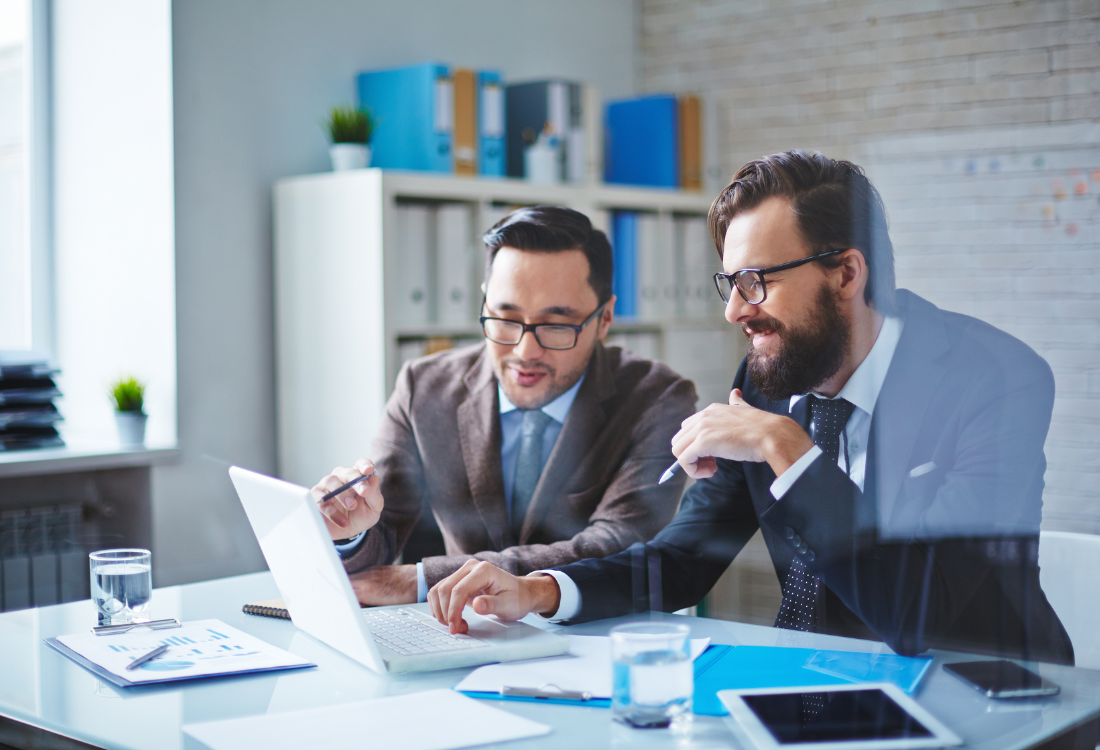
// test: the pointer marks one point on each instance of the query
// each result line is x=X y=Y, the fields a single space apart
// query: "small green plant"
x=348 y=124
x=128 y=394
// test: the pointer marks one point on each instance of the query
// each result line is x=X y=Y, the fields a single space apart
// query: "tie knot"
x=535 y=421
x=829 y=417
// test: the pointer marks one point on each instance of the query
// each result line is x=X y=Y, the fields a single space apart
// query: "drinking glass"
x=653 y=675
x=122 y=584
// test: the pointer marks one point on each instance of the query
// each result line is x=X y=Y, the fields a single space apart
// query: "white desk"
x=41 y=688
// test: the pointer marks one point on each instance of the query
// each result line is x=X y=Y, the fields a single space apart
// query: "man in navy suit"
x=890 y=452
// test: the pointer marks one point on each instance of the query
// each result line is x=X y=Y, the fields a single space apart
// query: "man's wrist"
x=545 y=596
x=785 y=444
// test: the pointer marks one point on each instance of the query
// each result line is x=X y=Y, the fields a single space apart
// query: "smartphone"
x=1002 y=679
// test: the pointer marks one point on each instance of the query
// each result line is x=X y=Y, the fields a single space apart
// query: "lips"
x=527 y=378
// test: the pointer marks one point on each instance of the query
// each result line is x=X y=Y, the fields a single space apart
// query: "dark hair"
x=550 y=229
x=835 y=204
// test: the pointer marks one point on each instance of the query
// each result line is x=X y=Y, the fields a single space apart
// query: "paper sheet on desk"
x=431 y=720
x=201 y=648
x=587 y=667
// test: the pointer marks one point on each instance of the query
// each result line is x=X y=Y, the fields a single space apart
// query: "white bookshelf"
x=339 y=266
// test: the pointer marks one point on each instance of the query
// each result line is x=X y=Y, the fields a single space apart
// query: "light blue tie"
x=528 y=465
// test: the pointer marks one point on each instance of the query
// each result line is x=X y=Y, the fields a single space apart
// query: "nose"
x=528 y=347
x=738 y=310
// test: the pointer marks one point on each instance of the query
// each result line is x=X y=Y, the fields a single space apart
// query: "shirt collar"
x=557 y=409
x=863 y=386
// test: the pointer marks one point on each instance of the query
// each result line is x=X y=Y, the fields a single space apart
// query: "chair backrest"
x=1069 y=571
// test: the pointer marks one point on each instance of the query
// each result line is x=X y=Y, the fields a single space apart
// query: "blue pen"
x=347 y=486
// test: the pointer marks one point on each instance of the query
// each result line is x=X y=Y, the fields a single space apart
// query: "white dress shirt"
x=861 y=391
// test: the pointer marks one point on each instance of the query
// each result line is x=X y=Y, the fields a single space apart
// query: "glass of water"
x=122 y=585
x=653 y=675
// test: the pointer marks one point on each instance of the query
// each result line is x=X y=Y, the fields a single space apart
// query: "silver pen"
x=147 y=658
x=670 y=472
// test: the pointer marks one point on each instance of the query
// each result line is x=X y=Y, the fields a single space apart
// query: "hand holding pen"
x=350 y=499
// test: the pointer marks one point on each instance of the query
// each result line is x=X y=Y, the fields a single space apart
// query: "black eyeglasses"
x=549 y=335
x=749 y=282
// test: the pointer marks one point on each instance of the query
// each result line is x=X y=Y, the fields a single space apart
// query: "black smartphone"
x=1000 y=678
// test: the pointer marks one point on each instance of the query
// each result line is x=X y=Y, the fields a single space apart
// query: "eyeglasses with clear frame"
x=558 y=336
x=749 y=282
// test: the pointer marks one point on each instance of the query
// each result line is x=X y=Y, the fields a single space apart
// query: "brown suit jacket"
x=440 y=441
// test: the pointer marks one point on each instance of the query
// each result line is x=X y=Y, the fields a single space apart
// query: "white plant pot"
x=131 y=428
x=349 y=156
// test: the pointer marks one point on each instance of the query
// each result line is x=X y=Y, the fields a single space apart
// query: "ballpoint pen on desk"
x=670 y=472
x=146 y=658
x=347 y=486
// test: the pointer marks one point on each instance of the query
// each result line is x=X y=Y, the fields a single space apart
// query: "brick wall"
x=978 y=121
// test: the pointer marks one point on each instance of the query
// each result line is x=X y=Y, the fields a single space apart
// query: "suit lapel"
x=479 y=433
x=583 y=423
x=911 y=382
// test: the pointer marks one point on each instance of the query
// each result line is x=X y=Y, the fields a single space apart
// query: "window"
x=15 y=260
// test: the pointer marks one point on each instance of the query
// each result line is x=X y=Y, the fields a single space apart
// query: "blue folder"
x=413 y=132
x=624 y=242
x=643 y=142
x=491 y=124
x=731 y=667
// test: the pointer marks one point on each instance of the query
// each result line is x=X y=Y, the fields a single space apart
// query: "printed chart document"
x=399 y=721
x=202 y=648
x=586 y=668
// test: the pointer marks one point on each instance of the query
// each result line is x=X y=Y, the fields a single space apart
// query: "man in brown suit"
x=538 y=448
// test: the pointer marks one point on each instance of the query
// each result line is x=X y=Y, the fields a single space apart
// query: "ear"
x=852 y=275
x=607 y=317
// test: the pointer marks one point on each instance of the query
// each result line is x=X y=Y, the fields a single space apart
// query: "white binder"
x=414 y=272
x=454 y=248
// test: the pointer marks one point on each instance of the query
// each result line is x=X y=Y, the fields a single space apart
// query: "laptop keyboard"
x=407 y=632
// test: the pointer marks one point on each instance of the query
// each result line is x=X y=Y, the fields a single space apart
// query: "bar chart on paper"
x=197 y=649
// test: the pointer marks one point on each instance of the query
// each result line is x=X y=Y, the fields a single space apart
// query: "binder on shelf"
x=414 y=107
x=656 y=273
x=701 y=262
x=454 y=259
x=691 y=144
x=592 y=124
x=491 y=123
x=642 y=141
x=555 y=106
x=412 y=304
x=624 y=283
x=465 y=122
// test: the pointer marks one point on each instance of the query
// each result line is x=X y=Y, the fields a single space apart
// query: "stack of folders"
x=655 y=140
x=663 y=269
x=28 y=417
x=433 y=118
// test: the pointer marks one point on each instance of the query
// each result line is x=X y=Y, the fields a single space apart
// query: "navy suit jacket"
x=939 y=550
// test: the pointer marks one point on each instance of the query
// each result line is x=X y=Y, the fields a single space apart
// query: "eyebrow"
x=563 y=311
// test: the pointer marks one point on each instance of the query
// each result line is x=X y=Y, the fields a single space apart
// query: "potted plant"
x=349 y=129
x=128 y=397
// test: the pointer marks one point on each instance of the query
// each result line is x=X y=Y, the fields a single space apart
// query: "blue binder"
x=643 y=142
x=491 y=120
x=414 y=107
x=624 y=255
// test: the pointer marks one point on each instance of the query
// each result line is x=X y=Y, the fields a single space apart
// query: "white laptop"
x=318 y=595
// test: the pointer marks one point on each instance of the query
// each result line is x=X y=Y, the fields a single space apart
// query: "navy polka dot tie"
x=800 y=592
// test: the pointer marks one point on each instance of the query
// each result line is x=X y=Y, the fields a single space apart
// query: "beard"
x=806 y=357
x=556 y=382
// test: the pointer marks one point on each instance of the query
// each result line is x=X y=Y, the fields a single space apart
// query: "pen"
x=670 y=472
x=347 y=486
x=147 y=658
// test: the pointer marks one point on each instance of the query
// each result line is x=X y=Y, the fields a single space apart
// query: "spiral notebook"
x=267 y=608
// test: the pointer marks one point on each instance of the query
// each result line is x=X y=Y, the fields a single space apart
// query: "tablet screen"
x=834 y=717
